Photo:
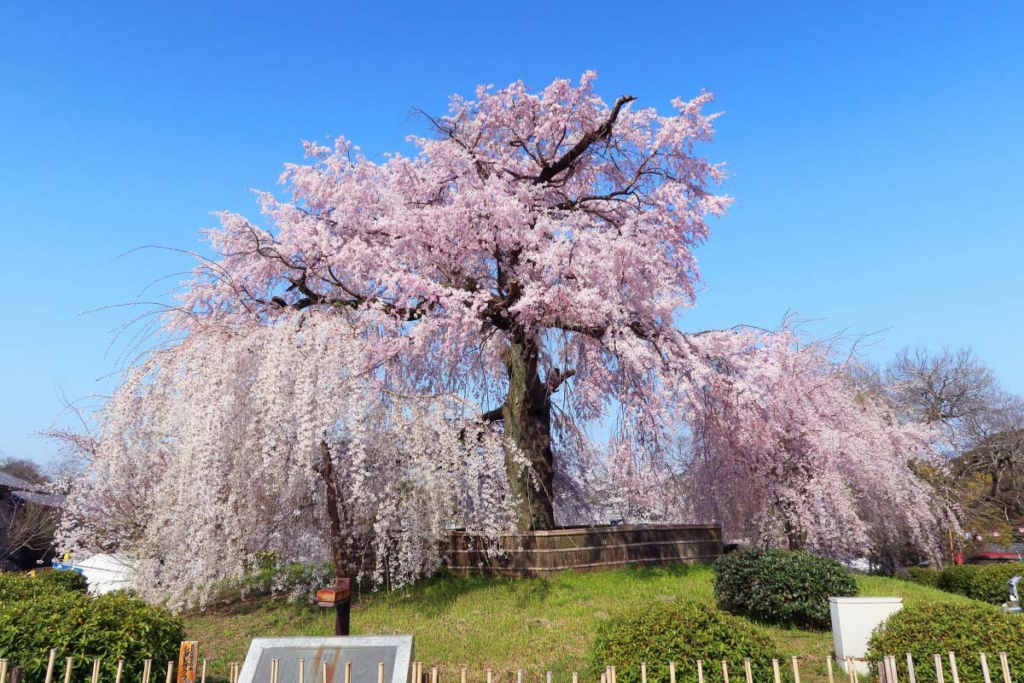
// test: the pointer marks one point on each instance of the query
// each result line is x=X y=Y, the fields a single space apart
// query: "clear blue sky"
x=877 y=150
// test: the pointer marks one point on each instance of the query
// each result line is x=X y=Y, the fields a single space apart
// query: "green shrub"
x=15 y=586
x=109 y=627
x=985 y=582
x=925 y=576
x=966 y=629
x=680 y=633
x=63 y=579
x=781 y=587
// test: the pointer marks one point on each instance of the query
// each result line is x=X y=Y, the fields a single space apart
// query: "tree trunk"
x=333 y=511
x=527 y=419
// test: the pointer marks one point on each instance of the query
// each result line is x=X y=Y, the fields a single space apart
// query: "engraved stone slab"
x=327 y=656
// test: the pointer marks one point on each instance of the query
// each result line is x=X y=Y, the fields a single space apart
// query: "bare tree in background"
x=983 y=426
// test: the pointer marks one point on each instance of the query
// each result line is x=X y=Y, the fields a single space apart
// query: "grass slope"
x=533 y=624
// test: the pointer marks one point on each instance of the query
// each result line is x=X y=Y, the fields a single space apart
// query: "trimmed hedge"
x=680 y=633
x=924 y=576
x=25 y=587
x=966 y=629
x=781 y=587
x=985 y=582
x=110 y=627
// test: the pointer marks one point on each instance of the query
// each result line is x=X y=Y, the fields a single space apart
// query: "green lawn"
x=533 y=624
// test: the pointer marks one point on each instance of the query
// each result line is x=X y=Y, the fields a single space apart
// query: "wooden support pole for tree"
x=348 y=672
x=3 y=670
x=380 y=672
x=1004 y=664
x=96 y=671
x=323 y=673
x=911 y=675
x=170 y=672
x=643 y=672
x=725 y=671
x=776 y=674
x=984 y=667
x=747 y=671
x=796 y=669
x=938 y=668
x=952 y=668
x=671 y=672
x=462 y=675
x=828 y=665
x=120 y=671
x=700 y=671
x=147 y=666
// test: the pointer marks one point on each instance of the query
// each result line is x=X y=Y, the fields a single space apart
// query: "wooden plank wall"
x=539 y=553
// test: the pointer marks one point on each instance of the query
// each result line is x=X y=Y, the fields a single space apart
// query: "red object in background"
x=958 y=558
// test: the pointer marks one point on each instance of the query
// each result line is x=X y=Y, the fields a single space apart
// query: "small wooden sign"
x=188 y=661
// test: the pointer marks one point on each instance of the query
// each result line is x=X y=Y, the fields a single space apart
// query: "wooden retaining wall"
x=539 y=553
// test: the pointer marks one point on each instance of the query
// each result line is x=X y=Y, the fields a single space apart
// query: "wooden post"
x=548 y=677
x=348 y=672
x=615 y=675
x=96 y=671
x=50 y=664
x=777 y=677
x=323 y=672
x=274 y=664
x=519 y=676
x=380 y=672
x=3 y=670
x=170 y=672
x=490 y=676
x=643 y=672
x=16 y=674
x=747 y=671
x=881 y=672
x=671 y=672
x=952 y=668
x=120 y=671
x=1004 y=664
x=700 y=671
x=575 y=677
x=828 y=665
x=725 y=671
x=984 y=667
x=938 y=669
x=70 y=664
x=911 y=676
x=796 y=669
x=147 y=665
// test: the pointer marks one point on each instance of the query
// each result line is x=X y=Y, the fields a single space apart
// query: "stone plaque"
x=318 y=658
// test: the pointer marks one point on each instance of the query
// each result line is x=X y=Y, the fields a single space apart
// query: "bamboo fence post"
x=747 y=671
x=828 y=665
x=700 y=671
x=796 y=669
x=952 y=668
x=51 y=662
x=70 y=664
x=775 y=671
x=380 y=672
x=1004 y=664
x=725 y=671
x=911 y=676
x=984 y=667
x=671 y=672
x=938 y=668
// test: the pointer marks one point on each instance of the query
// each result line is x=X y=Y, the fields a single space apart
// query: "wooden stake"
x=984 y=667
x=700 y=671
x=71 y=663
x=323 y=672
x=952 y=668
x=725 y=671
x=202 y=678
x=643 y=672
x=828 y=665
x=938 y=668
x=849 y=668
x=380 y=672
x=433 y=675
x=120 y=671
x=96 y=671
x=348 y=672
x=1005 y=666
x=604 y=678
x=50 y=664
x=302 y=671
x=615 y=675
x=519 y=677
x=775 y=671
x=274 y=663
x=671 y=672
x=853 y=668
x=489 y=676
x=170 y=672
x=911 y=676
x=747 y=671
x=796 y=670
x=575 y=677
x=462 y=676
x=548 y=677
x=3 y=670
x=890 y=669
x=881 y=671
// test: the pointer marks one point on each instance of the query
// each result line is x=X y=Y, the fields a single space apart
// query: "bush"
x=966 y=629
x=985 y=582
x=925 y=576
x=680 y=633
x=26 y=587
x=109 y=627
x=781 y=587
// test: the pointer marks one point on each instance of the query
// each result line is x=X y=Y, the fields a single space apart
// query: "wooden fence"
x=891 y=669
